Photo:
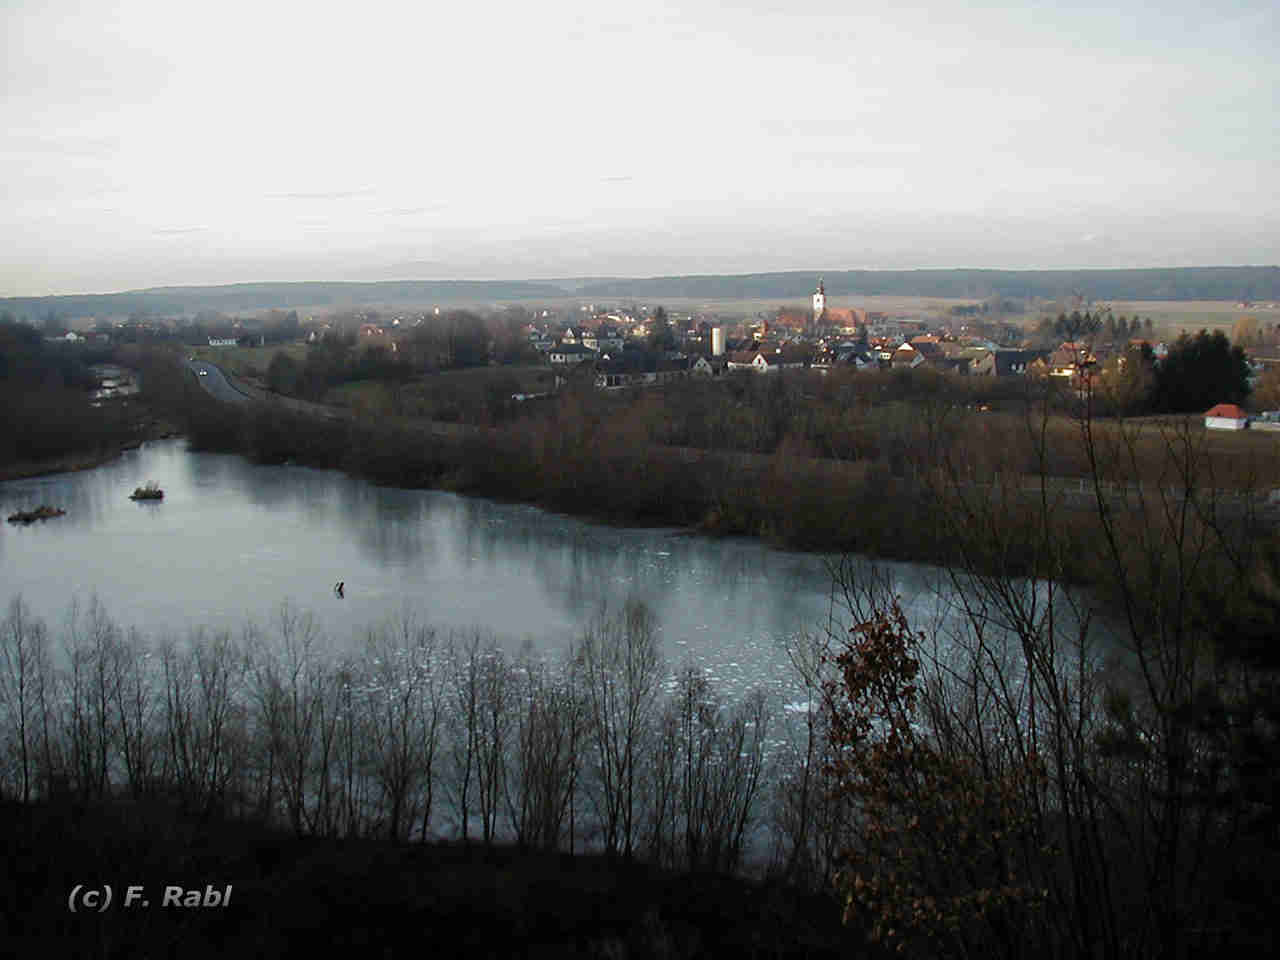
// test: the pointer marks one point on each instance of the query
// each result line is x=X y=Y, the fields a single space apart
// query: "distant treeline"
x=1175 y=283
x=168 y=301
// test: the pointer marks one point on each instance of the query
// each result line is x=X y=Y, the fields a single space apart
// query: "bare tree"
x=543 y=766
x=135 y=699
x=23 y=666
x=223 y=726
x=180 y=721
x=288 y=685
x=327 y=819
x=742 y=750
x=494 y=732
x=465 y=707
x=720 y=761
x=351 y=749
x=622 y=669
x=663 y=842
x=90 y=642
x=799 y=786
x=404 y=715
x=430 y=727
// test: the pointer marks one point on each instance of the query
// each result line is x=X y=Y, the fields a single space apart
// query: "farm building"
x=1226 y=416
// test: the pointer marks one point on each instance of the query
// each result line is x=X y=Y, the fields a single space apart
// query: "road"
x=215 y=382
x=229 y=389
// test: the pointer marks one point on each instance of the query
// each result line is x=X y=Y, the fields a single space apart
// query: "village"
x=617 y=347
x=618 y=350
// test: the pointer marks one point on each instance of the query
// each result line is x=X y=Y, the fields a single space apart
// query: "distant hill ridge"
x=1166 y=283
x=259 y=296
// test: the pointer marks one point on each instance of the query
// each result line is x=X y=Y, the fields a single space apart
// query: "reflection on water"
x=113 y=381
x=231 y=541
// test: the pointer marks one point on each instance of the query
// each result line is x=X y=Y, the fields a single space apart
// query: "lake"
x=232 y=541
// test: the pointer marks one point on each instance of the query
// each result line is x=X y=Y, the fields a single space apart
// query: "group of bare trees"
x=1059 y=769
x=419 y=737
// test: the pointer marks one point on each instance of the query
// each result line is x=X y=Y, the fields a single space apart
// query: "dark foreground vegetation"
x=309 y=897
x=427 y=784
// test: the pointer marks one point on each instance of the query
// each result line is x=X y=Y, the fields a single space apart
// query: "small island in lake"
x=150 y=492
x=43 y=512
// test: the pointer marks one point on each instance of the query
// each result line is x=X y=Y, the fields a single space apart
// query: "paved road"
x=232 y=389
x=216 y=383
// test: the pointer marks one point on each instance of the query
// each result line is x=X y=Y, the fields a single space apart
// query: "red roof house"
x=1226 y=416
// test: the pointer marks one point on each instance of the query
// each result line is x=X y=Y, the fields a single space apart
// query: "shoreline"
x=84 y=460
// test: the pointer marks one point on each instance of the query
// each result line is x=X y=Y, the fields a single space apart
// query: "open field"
x=1175 y=317
x=1232 y=459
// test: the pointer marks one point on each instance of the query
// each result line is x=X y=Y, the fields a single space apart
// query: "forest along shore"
x=88 y=460
x=908 y=497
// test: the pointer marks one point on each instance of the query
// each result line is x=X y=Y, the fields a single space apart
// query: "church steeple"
x=819 y=301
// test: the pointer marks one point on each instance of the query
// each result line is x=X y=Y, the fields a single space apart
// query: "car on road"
x=204 y=372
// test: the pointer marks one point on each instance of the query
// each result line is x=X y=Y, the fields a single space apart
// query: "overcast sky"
x=160 y=142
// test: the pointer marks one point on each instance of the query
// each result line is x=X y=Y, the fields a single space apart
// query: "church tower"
x=819 y=302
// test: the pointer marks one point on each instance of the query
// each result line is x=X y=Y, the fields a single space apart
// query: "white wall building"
x=1226 y=416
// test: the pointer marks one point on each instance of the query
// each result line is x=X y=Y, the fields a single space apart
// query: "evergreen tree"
x=1077 y=326
x=1199 y=372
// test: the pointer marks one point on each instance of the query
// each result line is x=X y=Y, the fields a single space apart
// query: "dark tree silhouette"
x=1199 y=372
x=1076 y=326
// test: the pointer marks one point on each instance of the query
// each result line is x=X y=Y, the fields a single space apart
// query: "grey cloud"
x=411 y=211
x=62 y=145
x=321 y=195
